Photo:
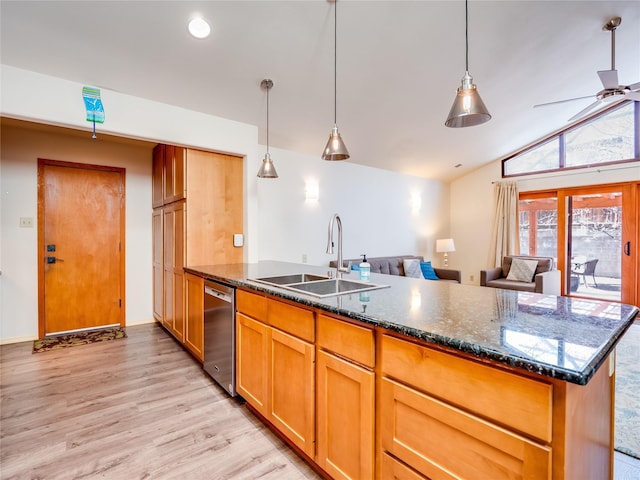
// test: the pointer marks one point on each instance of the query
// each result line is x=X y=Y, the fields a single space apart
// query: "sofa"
x=394 y=265
x=546 y=278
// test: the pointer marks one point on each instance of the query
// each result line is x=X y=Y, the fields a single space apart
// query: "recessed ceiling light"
x=199 y=28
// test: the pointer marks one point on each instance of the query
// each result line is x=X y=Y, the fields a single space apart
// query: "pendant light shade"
x=335 y=148
x=468 y=109
x=267 y=170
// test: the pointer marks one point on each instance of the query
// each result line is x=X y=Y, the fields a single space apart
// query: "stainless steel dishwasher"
x=219 y=334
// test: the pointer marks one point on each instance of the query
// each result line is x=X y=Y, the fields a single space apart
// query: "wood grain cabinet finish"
x=442 y=441
x=198 y=207
x=174 y=244
x=194 y=315
x=252 y=366
x=449 y=417
x=345 y=399
x=275 y=368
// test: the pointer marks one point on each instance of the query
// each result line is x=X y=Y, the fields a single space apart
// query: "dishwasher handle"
x=215 y=293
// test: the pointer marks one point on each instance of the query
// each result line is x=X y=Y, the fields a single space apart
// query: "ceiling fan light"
x=267 y=170
x=468 y=109
x=335 y=148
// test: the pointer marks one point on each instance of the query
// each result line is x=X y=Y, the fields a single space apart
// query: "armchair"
x=546 y=278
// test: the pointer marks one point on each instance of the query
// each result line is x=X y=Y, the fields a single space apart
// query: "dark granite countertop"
x=559 y=337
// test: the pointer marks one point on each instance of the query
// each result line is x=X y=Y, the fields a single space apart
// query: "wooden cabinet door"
x=345 y=418
x=174 y=232
x=157 y=183
x=158 y=264
x=292 y=405
x=174 y=174
x=194 y=315
x=252 y=355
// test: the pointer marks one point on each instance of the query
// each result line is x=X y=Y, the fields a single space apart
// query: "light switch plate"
x=238 y=240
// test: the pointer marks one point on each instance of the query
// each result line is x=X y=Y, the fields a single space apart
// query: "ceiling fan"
x=612 y=91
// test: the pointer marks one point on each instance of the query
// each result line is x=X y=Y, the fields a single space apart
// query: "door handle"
x=627 y=249
x=54 y=259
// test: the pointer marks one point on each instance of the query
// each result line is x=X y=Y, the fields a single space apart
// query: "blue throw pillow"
x=428 y=272
x=355 y=266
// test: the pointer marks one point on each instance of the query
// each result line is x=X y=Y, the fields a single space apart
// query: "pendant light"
x=335 y=148
x=468 y=109
x=267 y=170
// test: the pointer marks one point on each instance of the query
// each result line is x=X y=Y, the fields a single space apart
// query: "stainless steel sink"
x=291 y=279
x=319 y=286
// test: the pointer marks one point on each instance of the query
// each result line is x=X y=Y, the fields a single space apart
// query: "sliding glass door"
x=595 y=244
x=592 y=233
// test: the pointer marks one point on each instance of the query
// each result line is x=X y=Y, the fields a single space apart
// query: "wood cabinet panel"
x=158 y=264
x=251 y=304
x=215 y=183
x=291 y=319
x=252 y=366
x=173 y=235
x=512 y=400
x=174 y=174
x=157 y=185
x=392 y=469
x=345 y=339
x=345 y=418
x=292 y=406
x=194 y=315
x=432 y=436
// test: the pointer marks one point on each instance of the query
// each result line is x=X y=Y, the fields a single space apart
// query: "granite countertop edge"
x=474 y=350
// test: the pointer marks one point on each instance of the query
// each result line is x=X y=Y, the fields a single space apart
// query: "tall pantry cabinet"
x=197 y=200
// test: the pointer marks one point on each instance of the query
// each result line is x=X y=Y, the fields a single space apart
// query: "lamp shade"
x=335 y=148
x=445 y=245
x=468 y=109
x=267 y=170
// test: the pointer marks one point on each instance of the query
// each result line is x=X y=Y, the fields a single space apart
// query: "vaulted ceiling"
x=398 y=66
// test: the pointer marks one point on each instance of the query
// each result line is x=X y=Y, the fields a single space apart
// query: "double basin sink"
x=318 y=285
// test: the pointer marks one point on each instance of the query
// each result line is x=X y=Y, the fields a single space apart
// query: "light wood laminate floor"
x=136 y=408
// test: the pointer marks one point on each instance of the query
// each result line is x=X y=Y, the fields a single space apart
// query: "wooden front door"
x=81 y=246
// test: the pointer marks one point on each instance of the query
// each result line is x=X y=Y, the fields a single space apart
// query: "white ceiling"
x=399 y=63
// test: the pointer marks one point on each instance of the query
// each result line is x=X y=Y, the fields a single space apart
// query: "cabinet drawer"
x=392 y=469
x=347 y=340
x=518 y=402
x=251 y=304
x=291 y=319
x=444 y=442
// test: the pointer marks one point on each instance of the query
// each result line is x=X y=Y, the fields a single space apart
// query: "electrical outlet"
x=304 y=258
x=472 y=278
x=26 y=222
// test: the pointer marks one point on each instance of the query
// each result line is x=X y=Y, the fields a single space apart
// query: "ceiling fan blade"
x=609 y=78
x=562 y=101
x=633 y=96
x=635 y=86
x=583 y=111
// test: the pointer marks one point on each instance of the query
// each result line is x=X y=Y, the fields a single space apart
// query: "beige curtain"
x=505 y=239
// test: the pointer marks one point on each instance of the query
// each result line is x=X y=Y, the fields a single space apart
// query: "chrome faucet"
x=340 y=268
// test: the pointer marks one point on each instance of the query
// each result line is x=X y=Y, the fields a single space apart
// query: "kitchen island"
x=427 y=379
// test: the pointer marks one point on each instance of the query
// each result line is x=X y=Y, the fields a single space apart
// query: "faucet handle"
x=344 y=269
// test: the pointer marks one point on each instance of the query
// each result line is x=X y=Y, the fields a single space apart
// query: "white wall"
x=376 y=208
x=472 y=211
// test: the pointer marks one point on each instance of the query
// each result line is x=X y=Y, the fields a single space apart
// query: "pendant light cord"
x=466 y=33
x=335 y=62
x=268 y=88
